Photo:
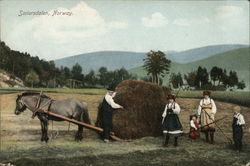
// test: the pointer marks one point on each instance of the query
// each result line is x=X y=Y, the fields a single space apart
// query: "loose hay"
x=144 y=104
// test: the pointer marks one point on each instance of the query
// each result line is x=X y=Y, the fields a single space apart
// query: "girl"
x=171 y=123
x=194 y=127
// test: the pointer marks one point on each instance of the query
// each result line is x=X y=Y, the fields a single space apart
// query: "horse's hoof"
x=46 y=140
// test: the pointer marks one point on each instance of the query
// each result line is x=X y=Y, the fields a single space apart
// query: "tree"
x=232 y=79
x=67 y=72
x=190 y=78
x=117 y=76
x=156 y=64
x=90 y=78
x=103 y=76
x=216 y=74
x=225 y=78
x=201 y=77
x=76 y=72
x=32 y=78
x=241 y=85
x=52 y=72
x=176 y=80
x=45 y=77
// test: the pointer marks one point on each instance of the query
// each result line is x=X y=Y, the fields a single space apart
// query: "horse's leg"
x=44 y=126
x=80 y=132
x=46 y=138
x=42 y=129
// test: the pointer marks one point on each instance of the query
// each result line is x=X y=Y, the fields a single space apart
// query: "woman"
x=171 y=122
x=206 y=113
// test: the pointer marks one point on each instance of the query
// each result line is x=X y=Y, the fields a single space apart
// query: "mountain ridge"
x=129 y=59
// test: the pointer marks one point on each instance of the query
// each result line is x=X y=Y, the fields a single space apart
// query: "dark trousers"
x=106 y=132
x=106 y=123
x=237 y=137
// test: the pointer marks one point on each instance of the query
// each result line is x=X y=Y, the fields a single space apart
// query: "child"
x=171 y=123
x=194 y=127
x=238 y=122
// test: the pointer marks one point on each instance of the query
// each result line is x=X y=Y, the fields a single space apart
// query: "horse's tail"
x=85 y=115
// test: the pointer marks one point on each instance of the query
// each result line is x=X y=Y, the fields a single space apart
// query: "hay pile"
x=144 y=103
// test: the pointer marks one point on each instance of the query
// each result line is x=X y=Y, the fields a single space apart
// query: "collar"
x=237 y=115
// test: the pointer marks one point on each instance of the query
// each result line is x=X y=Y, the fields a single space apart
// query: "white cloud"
x=228 y=11
x=156 y=20
x=118 y=25
x=61 y=35
x=85 y=22
x=181 y=22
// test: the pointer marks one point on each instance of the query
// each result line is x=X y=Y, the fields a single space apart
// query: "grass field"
x=241 y=98
x=20 y=138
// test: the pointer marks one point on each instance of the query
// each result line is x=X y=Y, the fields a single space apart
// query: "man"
x=107 y=108
x=171 y=123
x=238 y=122
x=206 y=113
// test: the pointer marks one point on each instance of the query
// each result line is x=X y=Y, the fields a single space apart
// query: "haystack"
x=144 y=104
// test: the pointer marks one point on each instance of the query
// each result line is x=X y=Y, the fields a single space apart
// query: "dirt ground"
x=20 y=140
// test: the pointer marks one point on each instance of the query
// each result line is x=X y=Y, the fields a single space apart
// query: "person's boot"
x=175 y=141
x=212 y=137
x=165 y=144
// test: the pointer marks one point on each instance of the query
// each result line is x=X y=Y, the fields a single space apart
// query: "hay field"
x=20 y=140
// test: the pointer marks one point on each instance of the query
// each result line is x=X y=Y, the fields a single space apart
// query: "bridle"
x=23 y=105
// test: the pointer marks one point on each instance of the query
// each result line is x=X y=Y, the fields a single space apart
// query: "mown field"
x=20 y=138
x=236 y=97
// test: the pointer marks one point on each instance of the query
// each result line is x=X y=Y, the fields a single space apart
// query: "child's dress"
x=194 y=129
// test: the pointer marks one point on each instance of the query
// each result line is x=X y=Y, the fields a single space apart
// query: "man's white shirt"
x=111 y=101
x=240 y=118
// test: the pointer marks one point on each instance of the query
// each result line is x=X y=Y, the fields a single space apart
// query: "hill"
x=117 y=59
x=9 y=80
x=196 y=54
x=110 y=59
x=237 y=60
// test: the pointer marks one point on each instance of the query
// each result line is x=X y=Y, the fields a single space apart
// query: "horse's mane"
x=34 y=94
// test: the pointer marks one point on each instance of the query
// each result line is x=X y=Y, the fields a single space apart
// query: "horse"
x=71 y=108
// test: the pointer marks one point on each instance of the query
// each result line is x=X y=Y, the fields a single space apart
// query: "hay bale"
x=144 y=103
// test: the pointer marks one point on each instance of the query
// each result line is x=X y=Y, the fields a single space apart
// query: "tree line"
x=158 y=66
x=215 y=79
x=37 y=72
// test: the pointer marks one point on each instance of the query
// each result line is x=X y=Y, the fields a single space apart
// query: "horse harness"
x=38 y=110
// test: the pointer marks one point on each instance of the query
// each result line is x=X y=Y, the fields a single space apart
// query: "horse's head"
x=20 y=106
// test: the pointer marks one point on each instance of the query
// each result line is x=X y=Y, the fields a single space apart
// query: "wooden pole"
x=89 y=126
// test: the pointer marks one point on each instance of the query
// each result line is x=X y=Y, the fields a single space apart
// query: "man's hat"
x=170 y=96
x=206 y=93
x=110 y=88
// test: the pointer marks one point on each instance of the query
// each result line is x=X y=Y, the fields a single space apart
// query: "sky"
x=87 y=26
